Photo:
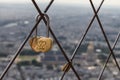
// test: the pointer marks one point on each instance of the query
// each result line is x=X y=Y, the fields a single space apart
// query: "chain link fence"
x=69 y=65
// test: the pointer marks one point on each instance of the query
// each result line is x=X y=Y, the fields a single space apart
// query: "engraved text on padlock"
x=42 y=44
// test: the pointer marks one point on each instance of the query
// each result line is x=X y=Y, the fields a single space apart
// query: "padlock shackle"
x=36 y=30
x=48 y=24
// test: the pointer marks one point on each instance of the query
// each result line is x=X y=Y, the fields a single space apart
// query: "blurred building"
x=90 y=57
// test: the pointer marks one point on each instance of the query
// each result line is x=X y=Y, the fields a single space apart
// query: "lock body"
x=41 y=44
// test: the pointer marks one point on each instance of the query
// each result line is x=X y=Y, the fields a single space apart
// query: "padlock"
x=42 y=44
x=66 y=67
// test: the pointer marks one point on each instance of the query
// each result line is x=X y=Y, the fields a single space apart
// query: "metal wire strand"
x=113 y=47
x=112 y=53
x=23 y=44
x=52 y=33
x=82 y=38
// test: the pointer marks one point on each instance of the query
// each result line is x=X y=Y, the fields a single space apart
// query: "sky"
x=107 y=2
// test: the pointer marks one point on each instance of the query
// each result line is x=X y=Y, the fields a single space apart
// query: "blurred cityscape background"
x=69 y=20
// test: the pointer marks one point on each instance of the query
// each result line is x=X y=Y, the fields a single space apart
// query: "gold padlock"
x=45 y=44
x=42 y=44
x=66 y=67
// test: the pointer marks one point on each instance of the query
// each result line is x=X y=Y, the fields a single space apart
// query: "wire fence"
x=69 y=64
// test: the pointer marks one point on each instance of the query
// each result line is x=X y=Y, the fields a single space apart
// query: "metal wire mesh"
x=69 y=61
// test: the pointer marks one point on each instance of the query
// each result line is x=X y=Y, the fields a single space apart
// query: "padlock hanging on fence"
x=66 y=67
x=41 y=43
